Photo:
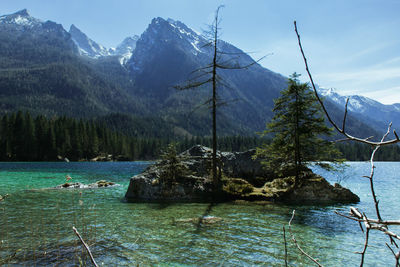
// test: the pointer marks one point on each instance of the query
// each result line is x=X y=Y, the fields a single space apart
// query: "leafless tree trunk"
x=216 y=179
x=209 y=74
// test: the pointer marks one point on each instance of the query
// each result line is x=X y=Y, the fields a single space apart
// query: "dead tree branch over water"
x=369 y=224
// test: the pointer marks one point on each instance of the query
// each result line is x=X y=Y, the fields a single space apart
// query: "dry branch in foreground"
x=86 y=246
x=369 y=224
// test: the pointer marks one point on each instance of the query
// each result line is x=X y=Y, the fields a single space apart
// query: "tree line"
x=40 y=138
x=354 y=151
x=27 y=138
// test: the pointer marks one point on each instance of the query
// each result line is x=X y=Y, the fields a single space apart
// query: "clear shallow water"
x=37 y=225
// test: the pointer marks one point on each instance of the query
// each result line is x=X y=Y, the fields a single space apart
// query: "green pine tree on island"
x=298 y=126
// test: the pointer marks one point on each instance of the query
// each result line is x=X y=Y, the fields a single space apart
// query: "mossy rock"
x=237 y=186
x=104 y=183
x=4 y=197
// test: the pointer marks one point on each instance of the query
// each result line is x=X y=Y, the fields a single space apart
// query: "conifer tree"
x=298 y=125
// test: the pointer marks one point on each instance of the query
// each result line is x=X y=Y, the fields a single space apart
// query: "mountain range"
x=47 y=70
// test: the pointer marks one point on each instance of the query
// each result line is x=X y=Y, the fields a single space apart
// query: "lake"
x=36 y=226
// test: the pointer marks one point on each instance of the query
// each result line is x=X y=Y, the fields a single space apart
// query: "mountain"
x=27 y=33
x=47 y=70
x=375 y=114
x=168 y=52
x=87 y=46
x=41 y=71
x=21 y=19
x=124 y=50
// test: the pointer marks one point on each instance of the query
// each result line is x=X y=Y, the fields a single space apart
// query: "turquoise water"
x=36 y=226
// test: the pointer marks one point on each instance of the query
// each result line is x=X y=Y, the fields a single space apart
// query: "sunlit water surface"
x=36 y=226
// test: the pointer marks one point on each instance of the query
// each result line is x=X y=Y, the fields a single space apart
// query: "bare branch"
x=341 y=131
x=358 y=219
x=396 y=255
x=86 y=246
x=395 y=134
x=240 y=67
x=284 y=240
x=365 y=247
x=356 y=215
x=297 y=245
x=376 y=202
x=393 y=242
x=191 y=85
x=345 y=115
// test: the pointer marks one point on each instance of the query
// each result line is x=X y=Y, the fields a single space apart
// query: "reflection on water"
x=36 y=226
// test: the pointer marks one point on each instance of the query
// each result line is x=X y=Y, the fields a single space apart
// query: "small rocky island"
x=242 y=178
x=78 y=185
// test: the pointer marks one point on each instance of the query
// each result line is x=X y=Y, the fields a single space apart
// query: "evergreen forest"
x=24 y=137
x=27 y=138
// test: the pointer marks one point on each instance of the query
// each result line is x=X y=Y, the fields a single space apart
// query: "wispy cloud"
x=361 y=76
x=385 y=96
x=381 y=84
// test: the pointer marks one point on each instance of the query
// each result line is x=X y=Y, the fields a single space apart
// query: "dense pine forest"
x=27 y=138
x=24 y=137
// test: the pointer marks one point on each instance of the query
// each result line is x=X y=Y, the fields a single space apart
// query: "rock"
x=3 y=197
x=234 y=164
x=77 y=185
x=253 y=184
x=237 y=187
x=147 y=187
x=103 y=183
x=102 y=158
x=313 y=188
x=62 y=158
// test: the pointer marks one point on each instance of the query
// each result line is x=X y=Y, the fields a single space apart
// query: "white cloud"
x=386 y=96
x=361 y=76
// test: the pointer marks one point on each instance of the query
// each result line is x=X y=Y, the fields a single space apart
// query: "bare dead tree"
x=209 y=75
x=354 y=214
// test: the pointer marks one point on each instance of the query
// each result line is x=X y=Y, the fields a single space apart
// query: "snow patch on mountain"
x=21 y=18
x=190 y=35
x=366 y=107
x=87 y=46
x=125 y=49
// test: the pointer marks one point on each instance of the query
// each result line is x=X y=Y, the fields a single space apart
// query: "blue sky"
x=352 y=46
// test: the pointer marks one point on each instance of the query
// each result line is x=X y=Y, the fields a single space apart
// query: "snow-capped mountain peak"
x=87 y=46
x=193 y=37
x=21 y=18
x=124 y=50
x=356 y=103
x=177 y=30
x=163 y=35
x=24 y=13
x=365 y=107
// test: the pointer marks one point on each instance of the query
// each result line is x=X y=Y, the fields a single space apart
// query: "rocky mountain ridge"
x=47 y=70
